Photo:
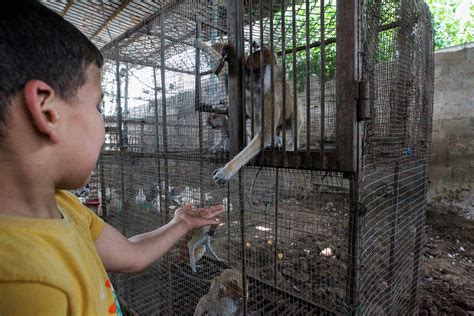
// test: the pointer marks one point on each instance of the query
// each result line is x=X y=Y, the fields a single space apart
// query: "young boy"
x=55 y=252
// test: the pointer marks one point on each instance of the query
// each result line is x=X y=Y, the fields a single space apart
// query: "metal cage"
x=332 y=227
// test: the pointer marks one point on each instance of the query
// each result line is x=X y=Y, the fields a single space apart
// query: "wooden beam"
x=111 y=18
x=66 y=8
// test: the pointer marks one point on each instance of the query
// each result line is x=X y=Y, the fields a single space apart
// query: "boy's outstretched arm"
x=119 y=254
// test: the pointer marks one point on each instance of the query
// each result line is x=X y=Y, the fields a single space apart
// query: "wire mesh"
x=289 y=220
x=399 y=66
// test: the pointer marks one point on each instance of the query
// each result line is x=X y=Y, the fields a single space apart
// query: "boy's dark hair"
x=37 y=43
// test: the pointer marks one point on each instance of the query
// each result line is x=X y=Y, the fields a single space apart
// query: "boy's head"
x=49 y=84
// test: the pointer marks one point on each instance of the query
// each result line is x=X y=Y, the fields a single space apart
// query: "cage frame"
x=352 y=109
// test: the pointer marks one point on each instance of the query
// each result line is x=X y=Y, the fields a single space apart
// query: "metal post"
x=165 y=151
x=197 y=100
x=164 y=118
x=275 y=247
x=347 y=77
x=236 y=112
x=125 y=205
x=119 y=129
x=295 y=106
x=103 y=202
x=252 y=101
x=125 y=108
x=272 y=85
x=348 y=142
x=261 y=107
x=352 y=295
x=322 y=82
x=236 y=123
x=157 y=148
x=308 y=84
x=419 y=231
x=283 y=5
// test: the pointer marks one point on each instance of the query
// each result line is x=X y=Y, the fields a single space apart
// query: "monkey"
x=253 y=69
x=114 y=202
x=220 y=122
x=196 y=243
x=225 y=296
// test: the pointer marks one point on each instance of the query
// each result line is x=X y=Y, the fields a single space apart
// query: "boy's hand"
x=194 y=218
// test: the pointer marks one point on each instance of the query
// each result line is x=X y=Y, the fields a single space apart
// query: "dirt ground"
x=447 y=286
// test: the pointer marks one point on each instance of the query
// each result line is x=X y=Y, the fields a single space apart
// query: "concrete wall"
x=452 y=165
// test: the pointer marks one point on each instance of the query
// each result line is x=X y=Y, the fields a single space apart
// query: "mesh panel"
x=400 y=68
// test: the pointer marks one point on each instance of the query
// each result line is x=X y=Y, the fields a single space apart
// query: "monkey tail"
x=253 y=182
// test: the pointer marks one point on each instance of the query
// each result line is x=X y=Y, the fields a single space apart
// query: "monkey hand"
x=217 y=148
x=194 y=218
x=221 y=175
x=278 y=142
x=227 y=49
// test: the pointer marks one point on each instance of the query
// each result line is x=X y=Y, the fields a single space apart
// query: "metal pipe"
x=125 y=203
x=125 y=107
x=293 y=31
x=261 y=107
x=283 y=76
x=236 y=90
x=272 y=85
x=252 y=101
x=322 y=82
x=197 y=102
x=308 y=84
x=103 y=202
x=275 y=254
x=352 y=279
x=157 y=148
x=165 y=149
x=164 y=120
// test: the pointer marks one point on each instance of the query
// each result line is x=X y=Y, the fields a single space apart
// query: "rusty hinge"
x=363 y=102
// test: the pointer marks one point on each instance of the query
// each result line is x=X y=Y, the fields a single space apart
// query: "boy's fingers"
x=211 y=211
x=186 y=206
x=213 y=221
x=217 y=207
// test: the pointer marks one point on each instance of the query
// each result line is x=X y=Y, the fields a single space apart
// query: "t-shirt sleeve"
x=80 y=212
x=29 y=298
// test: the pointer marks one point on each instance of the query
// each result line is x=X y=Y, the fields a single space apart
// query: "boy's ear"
x=42 y=105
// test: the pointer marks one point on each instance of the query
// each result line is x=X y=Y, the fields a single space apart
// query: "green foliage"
x=295 y=35
x=451 y=28
x=453 y=22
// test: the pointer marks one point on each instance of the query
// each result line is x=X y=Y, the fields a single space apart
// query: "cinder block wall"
x=452 y=166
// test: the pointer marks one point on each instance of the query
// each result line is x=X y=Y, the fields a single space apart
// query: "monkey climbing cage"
x=333 y=227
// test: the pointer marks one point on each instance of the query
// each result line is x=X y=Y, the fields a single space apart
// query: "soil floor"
x=447 y=286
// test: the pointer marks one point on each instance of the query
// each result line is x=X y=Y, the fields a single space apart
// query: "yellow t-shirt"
x=51 y=266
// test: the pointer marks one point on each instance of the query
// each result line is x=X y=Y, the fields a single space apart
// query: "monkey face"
x=229 y=284
x=217 y=121
x=256 y=67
